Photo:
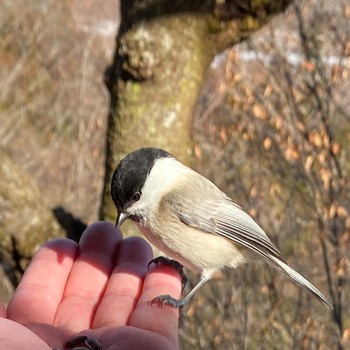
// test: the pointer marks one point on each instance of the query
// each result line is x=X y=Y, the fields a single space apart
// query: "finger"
x=16 y=336
x=125 y=283
x=163 y=320
x=89 y=276
x=40 y=291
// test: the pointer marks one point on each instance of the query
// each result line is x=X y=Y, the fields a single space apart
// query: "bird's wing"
x=210 y=210
x=204 y=207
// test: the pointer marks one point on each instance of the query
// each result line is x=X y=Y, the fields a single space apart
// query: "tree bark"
x=160 y=64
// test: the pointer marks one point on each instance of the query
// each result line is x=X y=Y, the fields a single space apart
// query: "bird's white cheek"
x=138 y=212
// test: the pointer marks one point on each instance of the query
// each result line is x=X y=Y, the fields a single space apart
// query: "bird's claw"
x=162 y=260
x=82 y=342
x=169 y=300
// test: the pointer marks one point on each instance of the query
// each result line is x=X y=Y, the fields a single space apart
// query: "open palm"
x=100 y=288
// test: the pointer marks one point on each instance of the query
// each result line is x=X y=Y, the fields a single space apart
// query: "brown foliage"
x=284 y=159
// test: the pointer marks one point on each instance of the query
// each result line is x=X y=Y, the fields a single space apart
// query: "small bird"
x=190 y=219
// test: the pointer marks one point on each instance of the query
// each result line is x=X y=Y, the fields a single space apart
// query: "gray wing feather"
x=210 y=210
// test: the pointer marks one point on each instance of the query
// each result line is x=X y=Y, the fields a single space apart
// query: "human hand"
x=100 y=288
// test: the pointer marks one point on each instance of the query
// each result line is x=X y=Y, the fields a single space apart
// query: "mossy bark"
x=160 y=64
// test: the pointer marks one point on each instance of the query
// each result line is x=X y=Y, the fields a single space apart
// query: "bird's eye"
x=136 y=196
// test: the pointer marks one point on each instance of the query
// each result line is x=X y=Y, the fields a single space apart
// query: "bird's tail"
x=296 y=277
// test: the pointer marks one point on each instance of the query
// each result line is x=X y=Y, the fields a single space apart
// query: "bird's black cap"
x=131 y=173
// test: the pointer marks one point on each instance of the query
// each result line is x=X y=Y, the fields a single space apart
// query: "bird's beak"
x=120 y=219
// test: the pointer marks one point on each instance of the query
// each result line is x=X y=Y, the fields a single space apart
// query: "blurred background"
x=252 y=94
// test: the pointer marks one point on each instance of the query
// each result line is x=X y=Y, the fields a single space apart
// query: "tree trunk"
x=159 y=67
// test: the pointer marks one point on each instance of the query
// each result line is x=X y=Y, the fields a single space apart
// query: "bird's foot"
x=169 y=300
x=176 y=303
x=174 y=264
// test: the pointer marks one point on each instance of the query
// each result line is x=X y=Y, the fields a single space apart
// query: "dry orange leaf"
x=347 y=14
x=326 y=177
x=291 y=153
x=223 y=135
x=267 y=143
x=198 y=152
x=342 y=212
x=259 y=112
x=336 y=148
x=253 y=191
x=316 y=139
x=278 y=123
x=308 y=163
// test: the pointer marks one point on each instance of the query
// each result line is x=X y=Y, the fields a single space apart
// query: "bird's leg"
x=168 y=299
